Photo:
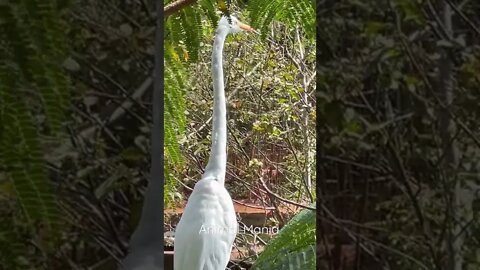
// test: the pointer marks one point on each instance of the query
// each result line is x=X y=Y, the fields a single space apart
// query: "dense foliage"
x=397 y=96
x=90 y=142
x=34 y=95
x=269 y=88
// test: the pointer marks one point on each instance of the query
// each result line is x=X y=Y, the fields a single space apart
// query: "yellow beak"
x=245 y=27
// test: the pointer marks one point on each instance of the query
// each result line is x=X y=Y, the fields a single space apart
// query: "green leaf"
x=293 y=247
x=373 y=27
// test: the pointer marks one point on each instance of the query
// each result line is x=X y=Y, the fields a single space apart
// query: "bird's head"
x=235 y=26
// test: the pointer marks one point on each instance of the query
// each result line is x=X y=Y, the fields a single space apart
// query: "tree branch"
x=463 y=16
x=176 y=6
x=260 y=178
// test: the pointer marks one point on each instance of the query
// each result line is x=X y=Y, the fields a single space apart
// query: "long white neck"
x=217 y=163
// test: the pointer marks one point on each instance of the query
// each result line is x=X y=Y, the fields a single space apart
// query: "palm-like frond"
x=32 y=49
x=174 y=120
x=36 y=44
x=300 y=12
x=184 y=30
x=293 y=247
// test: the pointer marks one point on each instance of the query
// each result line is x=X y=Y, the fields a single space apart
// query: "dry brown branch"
x=176 y=6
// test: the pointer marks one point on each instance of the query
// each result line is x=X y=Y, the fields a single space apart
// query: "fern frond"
x=293 y=247
x=22 y=155
x=169 y=188
x=174 y=120
x=31 y=50
x=49 y=39
x=175 y=77
x=173 y=159
x=191 y=23
x=209 y=10
x=35 y=48
x=299 y=12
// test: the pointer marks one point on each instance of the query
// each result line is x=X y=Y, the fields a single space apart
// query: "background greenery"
x=75 y=116
x=397 y=103
x=397 y=97
x=269 y=88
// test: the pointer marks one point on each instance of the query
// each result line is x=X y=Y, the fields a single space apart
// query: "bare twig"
x=463 y=16
x=283 y=199
x=356 y=236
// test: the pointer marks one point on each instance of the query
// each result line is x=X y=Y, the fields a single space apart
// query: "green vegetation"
x=32 y=50
x=269 y=87
x=398 y=127
x=75 y=118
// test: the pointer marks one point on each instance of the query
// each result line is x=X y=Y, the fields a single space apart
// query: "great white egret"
x=206 y=231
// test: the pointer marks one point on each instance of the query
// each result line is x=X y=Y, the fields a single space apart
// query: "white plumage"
x=205 y=234
x=207 y=229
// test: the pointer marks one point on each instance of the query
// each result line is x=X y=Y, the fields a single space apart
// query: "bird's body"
x=205 y=234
